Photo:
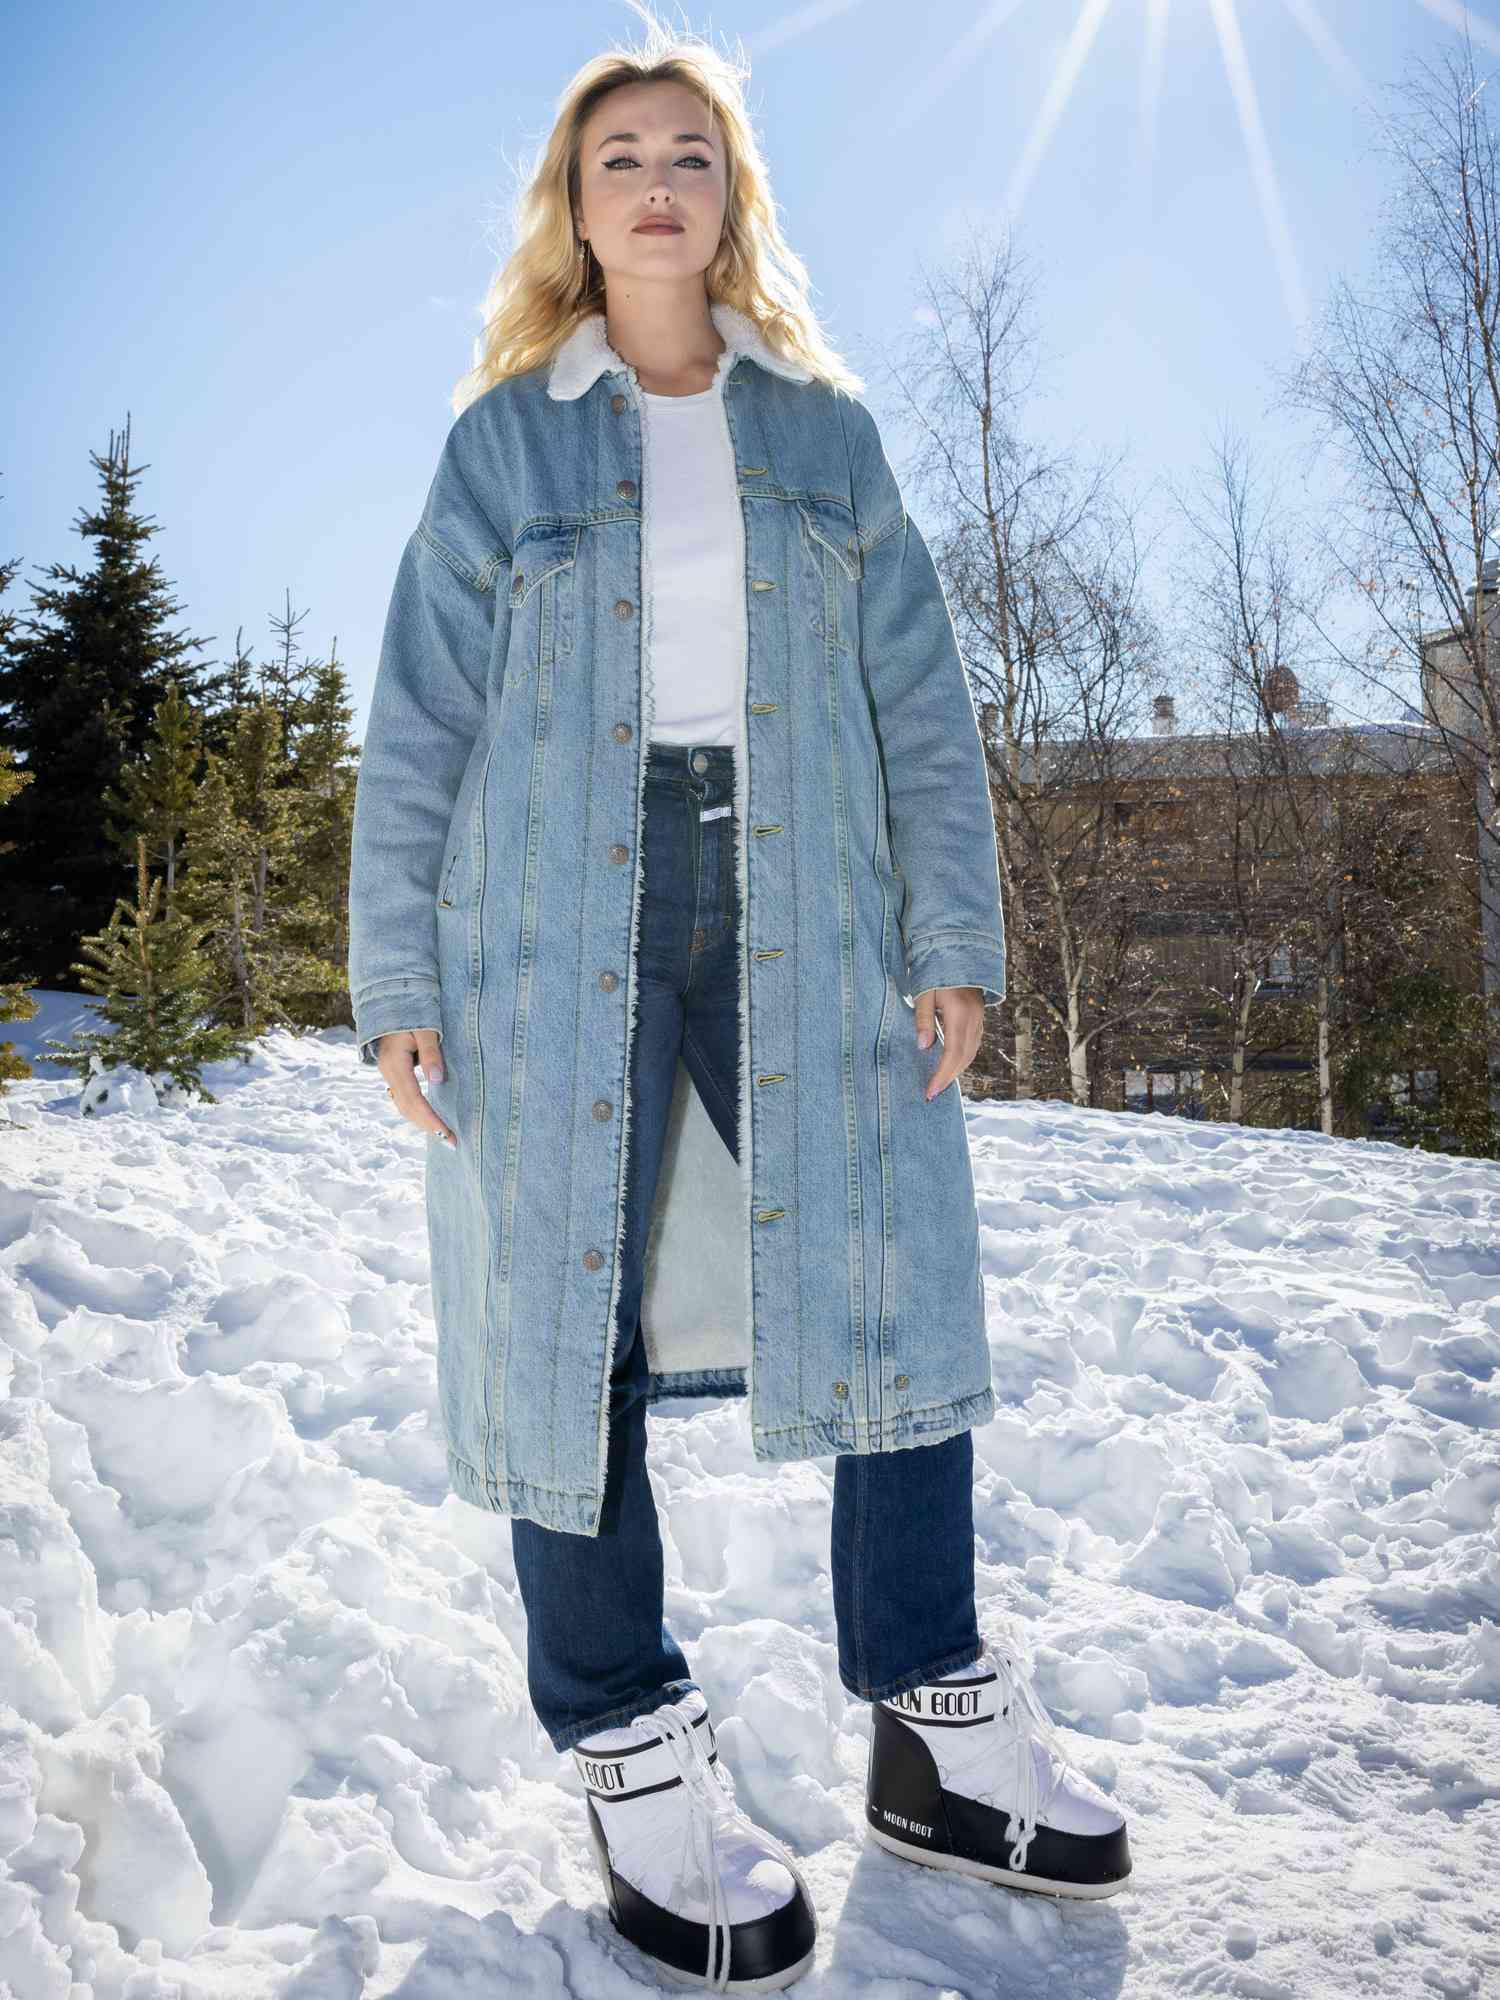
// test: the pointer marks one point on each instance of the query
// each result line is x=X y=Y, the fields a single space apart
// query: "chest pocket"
x=543 y=566
x=828 y=527
x=832 y=545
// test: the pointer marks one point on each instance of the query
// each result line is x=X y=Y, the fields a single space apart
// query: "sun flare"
x=959 y=60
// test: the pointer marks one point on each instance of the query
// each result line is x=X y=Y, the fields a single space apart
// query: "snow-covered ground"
x=263 y=1716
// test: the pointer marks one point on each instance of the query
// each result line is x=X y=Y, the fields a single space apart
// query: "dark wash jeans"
x=598 y=1651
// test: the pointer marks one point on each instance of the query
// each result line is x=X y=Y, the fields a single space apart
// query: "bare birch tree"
x=1043 y=577
x=1405 y=378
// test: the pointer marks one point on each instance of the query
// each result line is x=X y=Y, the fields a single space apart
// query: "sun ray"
x=1153 y=70
x=1055 y=102
x=1262 y=166
x=959 y=59
x=1454 y=15
x=801 y=21
x=1310 y=21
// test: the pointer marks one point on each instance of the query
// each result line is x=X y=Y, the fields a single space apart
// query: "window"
x=1279 y=970
x=1164 y=1090
x=1415 y=1087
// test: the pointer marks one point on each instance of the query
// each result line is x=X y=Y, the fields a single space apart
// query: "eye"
x=628 y=160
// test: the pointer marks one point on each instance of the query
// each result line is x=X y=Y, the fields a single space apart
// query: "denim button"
x=592 y=1259
x=609 y=981
x=617 y=403
x=624 y=608
x=518 y=582
x=903 y=1381
x=626 y=489
x=700 y=760
x=622 y=732
x=603 y=1108
x=841 y=1389
x=619 y=853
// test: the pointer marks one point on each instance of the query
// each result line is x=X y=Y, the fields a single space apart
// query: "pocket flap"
x=538 y=552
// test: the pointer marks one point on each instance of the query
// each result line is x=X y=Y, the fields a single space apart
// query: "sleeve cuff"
x=394 y=1005
x=958 y=958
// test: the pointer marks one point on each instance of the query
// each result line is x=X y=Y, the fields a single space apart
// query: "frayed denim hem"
x=616 y=1718
x=964 y=1657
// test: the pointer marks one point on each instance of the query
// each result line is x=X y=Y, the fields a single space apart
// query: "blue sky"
x=265 y=232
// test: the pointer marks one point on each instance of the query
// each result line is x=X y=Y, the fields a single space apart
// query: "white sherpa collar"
x=586 y=353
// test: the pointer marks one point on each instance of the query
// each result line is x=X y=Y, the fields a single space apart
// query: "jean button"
x=700 y=760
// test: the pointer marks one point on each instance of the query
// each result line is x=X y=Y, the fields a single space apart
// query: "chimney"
x=1163 y=715
x=1453 y=696
x=1482 y=595
x=1282 y=693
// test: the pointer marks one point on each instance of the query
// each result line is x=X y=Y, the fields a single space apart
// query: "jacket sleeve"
x=427 y=711
x=941 y=819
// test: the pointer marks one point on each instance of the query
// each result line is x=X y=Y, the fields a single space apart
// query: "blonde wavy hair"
x=551 y=280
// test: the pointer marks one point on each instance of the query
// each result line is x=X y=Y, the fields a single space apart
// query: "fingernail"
x=924 y=1038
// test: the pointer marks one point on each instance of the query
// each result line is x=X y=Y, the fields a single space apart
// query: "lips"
x=657 y=229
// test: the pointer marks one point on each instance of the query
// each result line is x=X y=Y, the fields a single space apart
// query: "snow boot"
x=690 y=1879
x=967 y=1773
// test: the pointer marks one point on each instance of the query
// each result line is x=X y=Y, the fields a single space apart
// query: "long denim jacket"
x=832 y=1274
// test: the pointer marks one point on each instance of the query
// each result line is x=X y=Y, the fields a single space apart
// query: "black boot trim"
x=759 y=1948
x=905 y=1801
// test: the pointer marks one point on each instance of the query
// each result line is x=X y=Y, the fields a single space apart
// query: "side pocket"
x=459 y=825
x=444 y=898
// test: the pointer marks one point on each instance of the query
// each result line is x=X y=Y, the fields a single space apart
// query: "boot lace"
x=1032 y=1725
x=712 y=1789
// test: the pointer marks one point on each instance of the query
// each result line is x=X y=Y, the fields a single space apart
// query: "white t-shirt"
x=694 y=541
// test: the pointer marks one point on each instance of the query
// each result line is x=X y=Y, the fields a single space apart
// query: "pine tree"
x=242 y=882
x=272 y=876
x=148 y=968
x=16 y=1004
x=289 y=680
x=79 y=682
x=155 y=794
x=223 y=696
x=322 y=771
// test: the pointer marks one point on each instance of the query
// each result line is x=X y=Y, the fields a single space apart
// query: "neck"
x=666 y=335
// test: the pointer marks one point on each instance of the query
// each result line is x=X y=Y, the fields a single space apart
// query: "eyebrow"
x=679 y=139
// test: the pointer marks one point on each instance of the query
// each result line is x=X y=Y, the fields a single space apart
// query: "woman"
x=672 y=795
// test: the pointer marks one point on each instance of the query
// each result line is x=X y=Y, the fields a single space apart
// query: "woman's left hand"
x=961 y=1009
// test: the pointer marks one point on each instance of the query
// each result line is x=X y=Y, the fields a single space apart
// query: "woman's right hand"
x=397 y=1055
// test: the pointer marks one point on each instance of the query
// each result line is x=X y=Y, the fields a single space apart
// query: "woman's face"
x=646 y=155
